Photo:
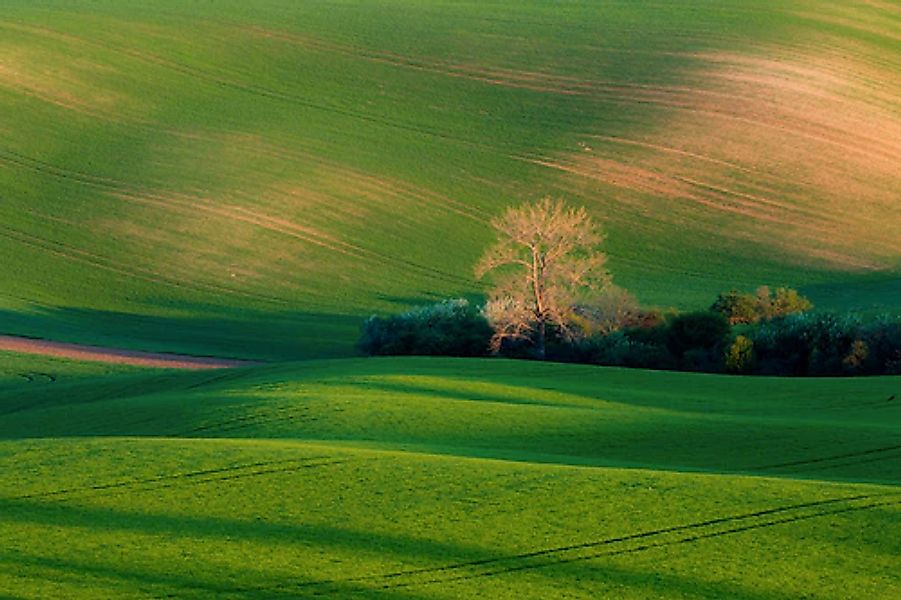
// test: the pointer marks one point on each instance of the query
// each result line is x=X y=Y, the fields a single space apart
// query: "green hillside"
x=249 y=179
x=441 y=478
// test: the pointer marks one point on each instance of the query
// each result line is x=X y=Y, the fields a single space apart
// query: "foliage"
x=448 y=328
x=784 y=346
x=787 y=301
x=797 y=344
x=696 y=339
x=740 y=308
x=611 y=310
x=737 y=307
x=740 y=357
x=545 y=262
x=882 y=353
x=827 y=344
x=616 y=349
x=857 y=356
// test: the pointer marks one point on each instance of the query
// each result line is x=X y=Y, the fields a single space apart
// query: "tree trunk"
x=537 y=289
x=540 y=342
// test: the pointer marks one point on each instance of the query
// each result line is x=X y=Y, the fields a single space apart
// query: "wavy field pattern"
x=445 y=478
x=177 y=174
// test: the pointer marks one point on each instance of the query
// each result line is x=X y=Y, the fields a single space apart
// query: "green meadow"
x=253 y=179
x=443 y=478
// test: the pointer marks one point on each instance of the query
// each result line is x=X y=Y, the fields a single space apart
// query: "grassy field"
x=441 y=478
x=251 y=179
x=211 y=178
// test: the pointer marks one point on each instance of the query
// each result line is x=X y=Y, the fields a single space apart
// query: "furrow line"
x=189 y=205
x=652 y=546
x=84 y=257
x=830 y=458
x=562 y=550
x=161 y=479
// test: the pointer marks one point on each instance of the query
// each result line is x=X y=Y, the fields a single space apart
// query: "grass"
x=210 y=179
x=441 y=478
x=17 y=370
x=252 y=179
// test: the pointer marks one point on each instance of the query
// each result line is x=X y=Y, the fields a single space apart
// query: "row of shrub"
x=448 y=328
x=798 y=344
x=785 y=341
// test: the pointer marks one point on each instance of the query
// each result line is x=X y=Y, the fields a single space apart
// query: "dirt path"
x=115 y=355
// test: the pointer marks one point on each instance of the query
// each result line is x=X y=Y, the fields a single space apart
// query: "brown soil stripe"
x=116 y=356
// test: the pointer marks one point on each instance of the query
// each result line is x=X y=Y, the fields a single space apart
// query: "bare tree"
x=545 y=262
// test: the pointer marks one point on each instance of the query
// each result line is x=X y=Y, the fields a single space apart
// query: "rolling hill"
x=215 y=178
x=248 y=180
x=428 y=478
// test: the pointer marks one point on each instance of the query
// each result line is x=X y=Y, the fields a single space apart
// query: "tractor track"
x=189 y=204
x=277 y=415
x=561 y=555
x=813 y=461
x=222 y=80
x=81 y=256
x=652 y=546
x=631 y=95
x=255 y=469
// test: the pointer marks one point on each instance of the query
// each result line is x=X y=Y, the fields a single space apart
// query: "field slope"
x=248 y=180
x=215 y=178
x=421 y=478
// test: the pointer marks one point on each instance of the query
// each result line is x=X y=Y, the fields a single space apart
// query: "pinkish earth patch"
x=115 y=355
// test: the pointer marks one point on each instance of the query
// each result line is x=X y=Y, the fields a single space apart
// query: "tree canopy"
x=545 y=262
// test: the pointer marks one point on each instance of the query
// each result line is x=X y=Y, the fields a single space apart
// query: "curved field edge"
x=444 y=478
x=831 y=429
x=253 y=183
x=240 y=519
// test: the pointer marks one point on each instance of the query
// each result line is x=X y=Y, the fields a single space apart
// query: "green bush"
x=782 y=346
x=794 y=344
x=740 y=308
x=697 y=331
x=740 y=356
x=883 y=339
x=805 y=344
x=617 y=350
x=787 y=301
x=448 y=328
x=737 y=307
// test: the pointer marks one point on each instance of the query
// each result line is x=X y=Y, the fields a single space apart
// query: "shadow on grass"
x=214 y=331
x=591 y=575
x=169 y=585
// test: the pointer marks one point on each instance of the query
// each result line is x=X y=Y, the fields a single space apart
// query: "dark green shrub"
x=883 y=339
x=783 y=346
x=795 y=344
x=807 y=344
x=697 y=339
x=656 y=335
x=858 y=355
x=619 y=350
x=697 y=331
x=448 y=328
x=831 y=337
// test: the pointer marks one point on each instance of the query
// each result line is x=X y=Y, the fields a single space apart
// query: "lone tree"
x=545 y=263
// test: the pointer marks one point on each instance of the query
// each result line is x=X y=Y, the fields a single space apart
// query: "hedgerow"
x=795 y=343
